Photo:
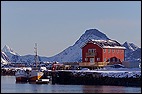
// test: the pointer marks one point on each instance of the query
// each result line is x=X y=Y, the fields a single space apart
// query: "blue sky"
x=56 y=25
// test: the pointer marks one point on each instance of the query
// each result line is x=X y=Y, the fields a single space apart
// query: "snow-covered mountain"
x=74 y=53
x=130 y=47
x=31 y=59
x=4 y=58
x=7 y=49
x=10 y=53
x=132 y=52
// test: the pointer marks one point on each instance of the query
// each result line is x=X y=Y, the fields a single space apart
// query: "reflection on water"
x=9 y=85
x=21 y=82
x=109 y=89
x=102 y=89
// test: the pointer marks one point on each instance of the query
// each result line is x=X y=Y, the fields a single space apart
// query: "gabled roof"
x=106 y=43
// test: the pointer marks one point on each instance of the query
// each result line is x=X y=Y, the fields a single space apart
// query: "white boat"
x=21 y=75
x=42 y=81
x=35 y=73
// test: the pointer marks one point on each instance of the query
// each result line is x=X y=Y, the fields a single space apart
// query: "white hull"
x=21 y=75
x=35 y=75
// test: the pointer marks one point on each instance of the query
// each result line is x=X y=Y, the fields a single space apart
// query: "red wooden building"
x=103 y=51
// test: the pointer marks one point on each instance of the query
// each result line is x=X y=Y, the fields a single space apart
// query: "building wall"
x=112 y=55
x=101 y=54
x=91 y=46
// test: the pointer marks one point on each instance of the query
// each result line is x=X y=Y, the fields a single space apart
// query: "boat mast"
x=36 y=54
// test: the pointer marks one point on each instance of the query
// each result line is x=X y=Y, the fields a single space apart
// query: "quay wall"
x=86 y=78
x=66 y=77
x=8 y=72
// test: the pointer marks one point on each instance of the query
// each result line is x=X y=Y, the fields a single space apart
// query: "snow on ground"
x=16 y=68
x=114 y=72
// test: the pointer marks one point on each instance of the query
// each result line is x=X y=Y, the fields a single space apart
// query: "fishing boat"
x=21 y=75
x=35 y=73
x=42 y=81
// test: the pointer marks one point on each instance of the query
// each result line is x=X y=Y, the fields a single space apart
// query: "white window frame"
x=91 y=50
x=98 y=59
x=108 y=50
x=93 y=59
x=104 y=59
x=86 y=59
x=104 y=50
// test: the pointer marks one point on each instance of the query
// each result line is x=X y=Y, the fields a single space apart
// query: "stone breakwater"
x=89 y=77
x=9 y=72
x=97 y=78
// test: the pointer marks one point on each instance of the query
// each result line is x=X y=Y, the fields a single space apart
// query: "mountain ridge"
x=74 y=53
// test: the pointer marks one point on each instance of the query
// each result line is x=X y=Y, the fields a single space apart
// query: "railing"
x=86 y=64
x=97 y=64
x=100 y=64
x=90 y=54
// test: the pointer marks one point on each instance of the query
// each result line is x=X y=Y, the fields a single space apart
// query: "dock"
x=118 y=78
x=88 y=77
x=42 y=81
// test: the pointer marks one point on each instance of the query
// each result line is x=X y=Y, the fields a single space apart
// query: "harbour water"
x=9 y=85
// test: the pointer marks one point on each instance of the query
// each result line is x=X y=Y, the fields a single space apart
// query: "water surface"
x=8 y=85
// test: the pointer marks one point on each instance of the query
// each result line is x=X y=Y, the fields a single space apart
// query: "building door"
x=92 y=60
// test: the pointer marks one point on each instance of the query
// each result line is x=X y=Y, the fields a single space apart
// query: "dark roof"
x=106 y=43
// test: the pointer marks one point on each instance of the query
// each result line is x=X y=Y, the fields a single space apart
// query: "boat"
x=35 y=73
x=42 y=81
x=21 y=75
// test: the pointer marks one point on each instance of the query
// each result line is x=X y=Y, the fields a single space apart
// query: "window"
x=113 y=59
x=121 y=51
x=98 y=59
x=108 y=50
x=117 y=59
x=104 y=59
x=113 y=50
x=117 y=51
x=91 y=50
x=104 y=50
x=92 y=60
x=109 y=60
x=86 y=59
